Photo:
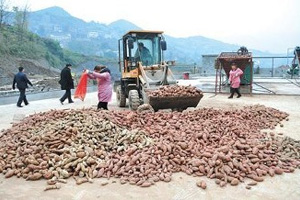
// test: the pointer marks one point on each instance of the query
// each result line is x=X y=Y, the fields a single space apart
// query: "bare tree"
x=21 y=20
x=4 y=6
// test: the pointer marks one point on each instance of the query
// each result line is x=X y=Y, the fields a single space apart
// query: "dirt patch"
x=9 y=67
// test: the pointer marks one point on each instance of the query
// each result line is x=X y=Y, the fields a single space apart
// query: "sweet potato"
x=201 y=184
x=35 y=176
x=234 y=181
x=10 y=173
x=52 y=187
x=278 y=170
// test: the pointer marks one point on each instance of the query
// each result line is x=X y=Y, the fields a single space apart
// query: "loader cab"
x=141 y=48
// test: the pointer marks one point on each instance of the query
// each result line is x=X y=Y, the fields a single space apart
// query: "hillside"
x=40 y=56
x=92 y=38
x=75 y=34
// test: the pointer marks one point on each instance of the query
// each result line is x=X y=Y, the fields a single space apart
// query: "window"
x=147 y=50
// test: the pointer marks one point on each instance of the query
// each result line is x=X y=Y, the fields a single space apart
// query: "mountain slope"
x=189 y=50
x=57 y=20
x=93 y=38
x=122 y=26
x=58 y=11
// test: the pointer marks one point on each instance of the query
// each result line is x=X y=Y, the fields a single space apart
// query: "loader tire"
x=121 y=98
x=134 y=99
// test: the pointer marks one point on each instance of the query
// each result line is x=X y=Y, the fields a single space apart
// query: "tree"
x=4 y=5
x=21 y=20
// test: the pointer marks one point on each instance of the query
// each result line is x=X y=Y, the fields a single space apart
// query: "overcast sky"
x=269 y=25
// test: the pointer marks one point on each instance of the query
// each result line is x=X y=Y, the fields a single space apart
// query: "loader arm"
x=156 y=75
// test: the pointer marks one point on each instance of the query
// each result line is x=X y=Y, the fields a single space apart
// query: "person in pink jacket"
x=102 y=75
x=235 y=80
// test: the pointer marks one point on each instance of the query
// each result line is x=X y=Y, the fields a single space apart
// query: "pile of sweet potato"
x=62 y=143
x=142 y=148
x=228 y=146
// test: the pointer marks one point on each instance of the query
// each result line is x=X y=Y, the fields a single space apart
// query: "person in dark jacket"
x=22 y=83
x=67 y=83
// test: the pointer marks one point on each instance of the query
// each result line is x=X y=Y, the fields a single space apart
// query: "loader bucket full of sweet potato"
x=174 y=97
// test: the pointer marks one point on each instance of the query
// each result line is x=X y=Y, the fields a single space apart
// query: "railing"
x=263 y=66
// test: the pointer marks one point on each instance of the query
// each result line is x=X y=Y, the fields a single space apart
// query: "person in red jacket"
x=235 y=80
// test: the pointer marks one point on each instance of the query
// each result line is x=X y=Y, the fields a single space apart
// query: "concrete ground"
x=182 y=186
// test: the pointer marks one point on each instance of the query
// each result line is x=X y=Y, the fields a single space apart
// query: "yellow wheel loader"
x=142 y=66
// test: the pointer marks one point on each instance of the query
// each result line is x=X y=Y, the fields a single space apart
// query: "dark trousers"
x=233 y=90
x=67 y=95
x=102 y=105
x=22 y=97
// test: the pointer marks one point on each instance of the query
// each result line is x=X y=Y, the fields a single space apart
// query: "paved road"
x=4 y=100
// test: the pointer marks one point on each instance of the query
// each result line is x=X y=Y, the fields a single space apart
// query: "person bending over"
x=103 y=77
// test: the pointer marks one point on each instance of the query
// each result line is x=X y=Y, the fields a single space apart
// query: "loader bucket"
x=174 y=103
